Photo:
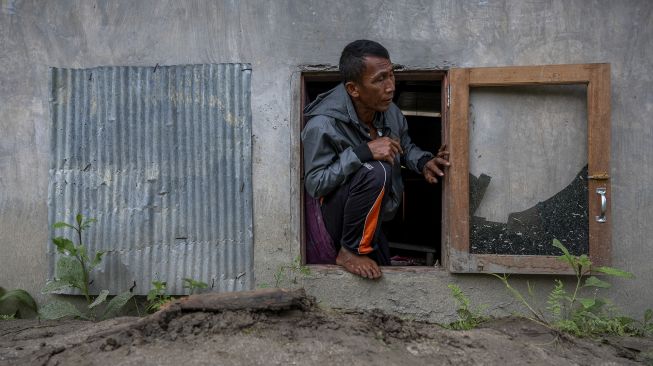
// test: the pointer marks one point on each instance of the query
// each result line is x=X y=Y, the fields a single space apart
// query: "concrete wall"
x=276 y=38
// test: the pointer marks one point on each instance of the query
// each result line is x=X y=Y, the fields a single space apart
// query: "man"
x=354 y=144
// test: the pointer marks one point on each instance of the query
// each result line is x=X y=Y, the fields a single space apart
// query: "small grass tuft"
x=468 y=317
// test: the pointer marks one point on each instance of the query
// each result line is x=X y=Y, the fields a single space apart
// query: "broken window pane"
x=528 y=169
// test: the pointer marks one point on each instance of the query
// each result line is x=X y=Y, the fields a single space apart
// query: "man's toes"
x=370 y=273
x=379 y=272
x=358 y=271
x=366 y=272
x=374 y=269
x=373 y=272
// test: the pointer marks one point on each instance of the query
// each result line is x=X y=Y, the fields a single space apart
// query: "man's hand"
x=385 y=149
x=434 y=167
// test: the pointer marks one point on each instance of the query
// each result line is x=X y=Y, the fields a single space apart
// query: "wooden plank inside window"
x=457 y=254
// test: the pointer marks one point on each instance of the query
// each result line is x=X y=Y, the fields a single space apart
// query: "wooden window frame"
x=333 y=75
x=456 y=222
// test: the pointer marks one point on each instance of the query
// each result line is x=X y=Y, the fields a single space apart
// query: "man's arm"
x=324 y=167
x=420 y=161
x=434 y=167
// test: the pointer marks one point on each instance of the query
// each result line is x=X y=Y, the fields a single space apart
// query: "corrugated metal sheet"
x=161 y=157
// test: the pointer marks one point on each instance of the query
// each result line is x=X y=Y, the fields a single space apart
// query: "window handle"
x=604 y=204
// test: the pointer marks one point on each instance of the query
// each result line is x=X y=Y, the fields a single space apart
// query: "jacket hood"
x=335 y=103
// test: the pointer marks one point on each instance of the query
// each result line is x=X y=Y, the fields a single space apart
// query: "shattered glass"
x=528 y=170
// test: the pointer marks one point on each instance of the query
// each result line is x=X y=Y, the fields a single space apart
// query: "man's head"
x=366 y=71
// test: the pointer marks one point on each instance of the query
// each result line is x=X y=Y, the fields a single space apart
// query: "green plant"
x=572 y=313
x=73 y=268
x=468 y=317
x=16 y=303
x=290 y=272
x=157 y=296
x=193 y=285
x=647 y=324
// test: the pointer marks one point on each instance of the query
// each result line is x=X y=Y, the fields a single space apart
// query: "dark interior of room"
x=415 y=231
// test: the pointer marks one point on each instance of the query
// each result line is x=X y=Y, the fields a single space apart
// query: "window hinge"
x=599 y=176
x=448 y=96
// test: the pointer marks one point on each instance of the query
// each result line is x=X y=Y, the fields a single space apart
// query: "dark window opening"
x=415 y=231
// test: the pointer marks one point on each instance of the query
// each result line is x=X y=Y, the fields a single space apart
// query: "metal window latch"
x=604 y=205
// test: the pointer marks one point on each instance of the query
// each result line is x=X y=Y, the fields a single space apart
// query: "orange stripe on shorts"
x=371 y=221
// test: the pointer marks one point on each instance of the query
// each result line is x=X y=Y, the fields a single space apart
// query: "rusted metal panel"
x=161 y=157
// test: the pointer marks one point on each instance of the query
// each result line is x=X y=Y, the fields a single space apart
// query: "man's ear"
x=352 y=89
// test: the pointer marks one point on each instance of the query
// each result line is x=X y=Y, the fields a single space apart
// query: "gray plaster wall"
x=277 y=38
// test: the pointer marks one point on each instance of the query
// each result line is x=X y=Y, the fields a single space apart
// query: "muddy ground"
x=301 y=335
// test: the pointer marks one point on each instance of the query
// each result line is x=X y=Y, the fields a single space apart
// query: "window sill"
x=335 y=269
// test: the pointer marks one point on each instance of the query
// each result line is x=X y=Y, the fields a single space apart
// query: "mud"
x=311 y=336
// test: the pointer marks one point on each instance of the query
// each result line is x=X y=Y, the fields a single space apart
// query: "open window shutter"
x=502 y=243
x=161 y=157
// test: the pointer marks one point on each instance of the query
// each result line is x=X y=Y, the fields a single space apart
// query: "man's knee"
x=376 y=173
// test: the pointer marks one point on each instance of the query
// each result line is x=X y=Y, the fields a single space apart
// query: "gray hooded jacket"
x=335 y=145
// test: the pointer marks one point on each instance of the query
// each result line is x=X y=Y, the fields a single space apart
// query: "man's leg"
x=352 y=216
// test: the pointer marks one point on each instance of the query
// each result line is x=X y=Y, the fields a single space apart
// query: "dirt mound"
x=294 y=331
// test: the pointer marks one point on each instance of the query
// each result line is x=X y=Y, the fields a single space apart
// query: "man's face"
x=377 y=85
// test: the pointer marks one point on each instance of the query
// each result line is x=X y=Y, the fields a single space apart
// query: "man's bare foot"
x=360 y=265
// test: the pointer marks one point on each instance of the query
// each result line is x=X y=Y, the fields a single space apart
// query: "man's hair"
x=352 y=59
